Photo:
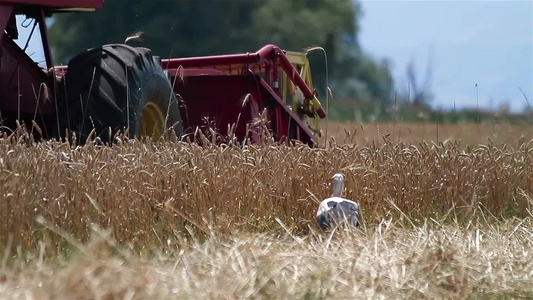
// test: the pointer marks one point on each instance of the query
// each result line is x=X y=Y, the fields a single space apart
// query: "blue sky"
x=466 y=42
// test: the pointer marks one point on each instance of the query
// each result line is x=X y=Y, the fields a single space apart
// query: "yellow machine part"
x=292 y=94
x=153 y=121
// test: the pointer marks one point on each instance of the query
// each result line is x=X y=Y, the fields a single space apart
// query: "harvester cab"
x=27 y=85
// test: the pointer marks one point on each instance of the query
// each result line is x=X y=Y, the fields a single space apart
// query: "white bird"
x=334 y=210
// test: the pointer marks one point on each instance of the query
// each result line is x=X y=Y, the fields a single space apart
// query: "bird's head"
x=338 y=178
x=338 y=184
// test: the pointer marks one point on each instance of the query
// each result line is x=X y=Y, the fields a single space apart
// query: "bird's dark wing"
x=334 y=210
x=347 y=209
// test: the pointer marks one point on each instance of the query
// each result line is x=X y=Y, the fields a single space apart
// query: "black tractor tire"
x=106 y=89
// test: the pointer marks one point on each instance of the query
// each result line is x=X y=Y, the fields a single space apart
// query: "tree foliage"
x=205 y=27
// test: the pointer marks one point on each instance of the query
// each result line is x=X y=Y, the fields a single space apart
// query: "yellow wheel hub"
x=153 y=121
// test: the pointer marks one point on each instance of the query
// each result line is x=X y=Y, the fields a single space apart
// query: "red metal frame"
x=270 y=57
x=198 y=82
x=5 y=13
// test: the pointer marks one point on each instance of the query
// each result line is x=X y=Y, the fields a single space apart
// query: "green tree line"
x=207 y=27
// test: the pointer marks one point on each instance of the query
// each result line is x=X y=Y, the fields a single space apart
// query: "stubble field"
x=444 y=216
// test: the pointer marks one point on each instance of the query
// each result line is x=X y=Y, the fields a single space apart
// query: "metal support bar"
x=209 y=61
x=41 y=19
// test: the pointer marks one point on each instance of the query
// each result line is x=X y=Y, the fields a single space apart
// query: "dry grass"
x=466 y=134
x=441 y=221
x=429 y=262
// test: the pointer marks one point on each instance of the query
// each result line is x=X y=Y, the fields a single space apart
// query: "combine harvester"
x=116 y=88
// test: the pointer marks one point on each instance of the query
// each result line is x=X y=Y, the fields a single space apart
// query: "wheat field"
x=464 y=134
x=173 y=220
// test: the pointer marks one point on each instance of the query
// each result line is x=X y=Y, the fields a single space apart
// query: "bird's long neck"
x=337 y=189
